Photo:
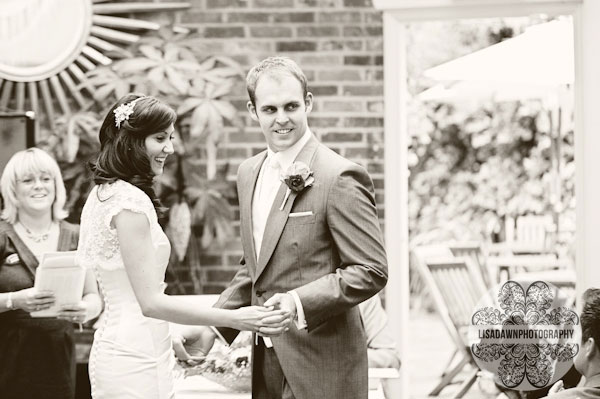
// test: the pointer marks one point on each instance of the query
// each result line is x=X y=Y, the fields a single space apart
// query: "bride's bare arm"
x=146 y=277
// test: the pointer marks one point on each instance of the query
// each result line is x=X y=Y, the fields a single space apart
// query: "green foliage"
x=197 y=89
x=470 y=170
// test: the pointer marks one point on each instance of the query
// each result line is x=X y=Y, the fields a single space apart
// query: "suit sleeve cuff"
x=219 y=336
x=300 y=317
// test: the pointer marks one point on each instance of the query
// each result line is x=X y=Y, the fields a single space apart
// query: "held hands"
x=31 y=301
x=286 y=303
x=192 y=344
x=265 y=321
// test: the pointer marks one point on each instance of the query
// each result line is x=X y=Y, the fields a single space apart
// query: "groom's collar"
x=288 y=156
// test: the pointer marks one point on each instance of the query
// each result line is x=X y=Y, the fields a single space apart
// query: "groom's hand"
x=283 y=302
x=192 y=344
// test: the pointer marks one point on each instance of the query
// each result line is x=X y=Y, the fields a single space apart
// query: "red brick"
x=358 y=3
x=372 y=74
x=318 y=31
x=363 y=31
x=375 y=17
x=357 y=153
x=335 y=45
x=329 y=60
x=247 y=137
x=323 y=90
x=294 y=17
x=371 y=90
x=224 y=32
x=247 y=48
x=319 y=3
x=342 y=137
x=270 y=31
x=340 y=75
x=374 y=44
x=210 y=260
x=363 y=122
x=324 y=121
x=274 y=3
x=232 y=153
x=345 y=17
x=358 y=60
x=343 y=106
x=247 y=17
x=378 y=184
x=375 y=106
x=221 y=274
x=295 y=46
x=375 y=167
x=226 y=3
x=199 y=17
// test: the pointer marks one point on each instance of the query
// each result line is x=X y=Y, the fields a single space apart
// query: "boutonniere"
x=297 y=177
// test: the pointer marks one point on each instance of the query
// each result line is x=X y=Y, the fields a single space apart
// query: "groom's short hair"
x=274 y=65
x=590 y=316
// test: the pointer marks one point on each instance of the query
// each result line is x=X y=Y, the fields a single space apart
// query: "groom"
x=312 y=246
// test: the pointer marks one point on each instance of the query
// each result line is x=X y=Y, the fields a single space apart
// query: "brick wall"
x=338 y=44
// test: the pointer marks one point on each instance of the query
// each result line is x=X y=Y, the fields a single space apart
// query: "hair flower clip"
x=124 y=111
x=297 y=177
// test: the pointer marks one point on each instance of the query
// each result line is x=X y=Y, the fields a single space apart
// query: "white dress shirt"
x=267 y=185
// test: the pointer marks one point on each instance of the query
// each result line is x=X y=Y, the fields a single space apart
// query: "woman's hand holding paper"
x=31 y=301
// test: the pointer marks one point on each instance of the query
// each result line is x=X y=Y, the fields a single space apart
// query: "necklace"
x=37 y=237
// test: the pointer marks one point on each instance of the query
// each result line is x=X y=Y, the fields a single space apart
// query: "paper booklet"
x=59 y=272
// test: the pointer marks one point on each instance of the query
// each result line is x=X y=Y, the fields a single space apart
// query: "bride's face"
x=158 y=147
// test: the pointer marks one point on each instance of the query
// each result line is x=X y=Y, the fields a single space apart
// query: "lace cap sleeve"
x=98 y=241
x=122 y=196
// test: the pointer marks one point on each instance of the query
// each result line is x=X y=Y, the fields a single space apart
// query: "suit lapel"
x=247 y=188
x=277 y=218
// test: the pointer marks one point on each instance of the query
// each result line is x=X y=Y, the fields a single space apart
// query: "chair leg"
x=464 y=387
x=449 y=362
x=447 y=378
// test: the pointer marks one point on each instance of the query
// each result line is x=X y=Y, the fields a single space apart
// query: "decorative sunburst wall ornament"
x=48 y=46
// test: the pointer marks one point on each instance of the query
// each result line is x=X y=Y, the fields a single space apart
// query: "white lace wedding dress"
x=131 y=356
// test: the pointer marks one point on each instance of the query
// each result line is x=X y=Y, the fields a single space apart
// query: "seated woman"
x=37 y=355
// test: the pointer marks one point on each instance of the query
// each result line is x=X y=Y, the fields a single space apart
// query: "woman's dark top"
x=37 y=355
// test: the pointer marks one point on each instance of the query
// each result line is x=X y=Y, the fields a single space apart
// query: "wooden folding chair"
x=473 y=251
x=456 y=290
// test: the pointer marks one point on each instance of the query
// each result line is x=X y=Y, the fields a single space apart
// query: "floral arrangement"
x=228 y=366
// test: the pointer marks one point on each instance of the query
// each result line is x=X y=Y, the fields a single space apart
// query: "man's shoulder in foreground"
x=579 y=392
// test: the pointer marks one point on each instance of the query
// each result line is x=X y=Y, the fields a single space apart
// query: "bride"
x=123 y=243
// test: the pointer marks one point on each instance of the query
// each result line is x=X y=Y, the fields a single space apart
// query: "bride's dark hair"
x=122 y=149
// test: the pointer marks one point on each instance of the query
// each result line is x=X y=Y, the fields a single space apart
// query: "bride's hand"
x=262 y=320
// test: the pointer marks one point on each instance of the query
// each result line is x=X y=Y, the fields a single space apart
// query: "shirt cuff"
x=223 y=340
x=300 y=317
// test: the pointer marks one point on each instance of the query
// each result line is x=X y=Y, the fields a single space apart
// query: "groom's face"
x=281 y=109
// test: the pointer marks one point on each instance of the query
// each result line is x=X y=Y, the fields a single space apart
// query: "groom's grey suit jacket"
x=334 y=259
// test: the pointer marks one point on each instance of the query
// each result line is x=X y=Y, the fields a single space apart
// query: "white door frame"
x=398 y=13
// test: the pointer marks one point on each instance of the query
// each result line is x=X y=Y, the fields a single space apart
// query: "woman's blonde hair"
x=27 y=162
